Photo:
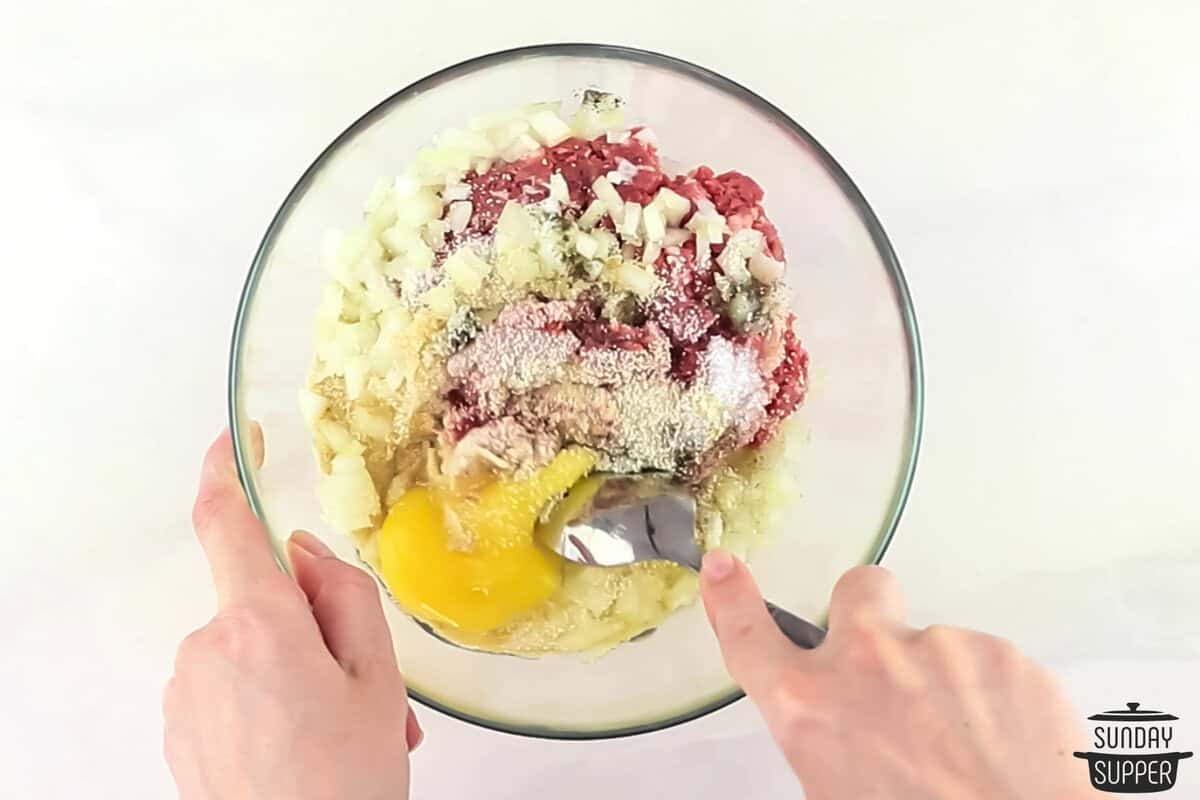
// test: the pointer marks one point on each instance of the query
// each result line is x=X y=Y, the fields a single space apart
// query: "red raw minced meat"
x=787 y=384
x=598 y=334
x=464 y=414
x=685 y=312
x=580 y=162
x=684 y=309
x=526 y=181
x=595 y=333
x=684 y=319
x=737 y=197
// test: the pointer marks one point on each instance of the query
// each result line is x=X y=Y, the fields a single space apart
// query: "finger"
x=866 y=596
x=234 y=540
x=754 y=649
x=345 y=603
x=412 y=731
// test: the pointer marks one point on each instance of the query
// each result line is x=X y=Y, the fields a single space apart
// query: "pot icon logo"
x=1132 y=751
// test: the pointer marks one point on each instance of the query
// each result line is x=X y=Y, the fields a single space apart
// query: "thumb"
x=345 y=603
x=754 y=649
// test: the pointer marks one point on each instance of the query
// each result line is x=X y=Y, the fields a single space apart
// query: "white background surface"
x=1036 y=169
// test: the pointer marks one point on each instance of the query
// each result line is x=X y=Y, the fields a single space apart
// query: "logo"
x=1133 y=751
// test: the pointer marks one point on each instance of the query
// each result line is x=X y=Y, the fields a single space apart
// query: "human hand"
x=883 y=711
x=292 y=690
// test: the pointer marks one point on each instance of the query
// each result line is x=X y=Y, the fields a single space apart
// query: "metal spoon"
x=610 y=520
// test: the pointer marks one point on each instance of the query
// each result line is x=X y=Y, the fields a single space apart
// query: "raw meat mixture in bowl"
x=535 y=299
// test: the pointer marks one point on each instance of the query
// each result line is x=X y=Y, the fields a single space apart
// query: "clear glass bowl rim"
x=619 y=53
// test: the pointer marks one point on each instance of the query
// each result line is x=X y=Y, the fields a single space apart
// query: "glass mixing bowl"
x=862 y=417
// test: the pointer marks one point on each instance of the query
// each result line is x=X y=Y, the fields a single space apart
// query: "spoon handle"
x=800 y=631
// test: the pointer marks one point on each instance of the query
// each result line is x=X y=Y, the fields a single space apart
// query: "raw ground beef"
x=682 y=320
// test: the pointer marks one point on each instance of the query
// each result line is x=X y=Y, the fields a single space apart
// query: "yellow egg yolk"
x=501 y=572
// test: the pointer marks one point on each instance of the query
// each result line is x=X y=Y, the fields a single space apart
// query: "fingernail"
x=416 y=734
x=256 y=443
x=717 y=565
x=310 y=544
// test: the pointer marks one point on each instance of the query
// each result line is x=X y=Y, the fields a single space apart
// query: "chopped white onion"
x=336 y=436
x=637 y=279
x=522 y=146
x=606 y=194
x=766 y=269
x=742 y=245
x=458 y=215
x=650 y=253
x=404 y=185
x=707 y=220
x=418 y=208
x=434 y=233
x=587 y=246
x=354 y=376
x=505 y=133
x=558 y=188
x=514 y=228
x=676 y=236
x=607 y=241
x=466 y=270
x=549 y=127
x=312 y=406
x=592 y=215
x=703 y=250
x=456 y=191
x=674 y=206
x=630 y=220
x=653 y=223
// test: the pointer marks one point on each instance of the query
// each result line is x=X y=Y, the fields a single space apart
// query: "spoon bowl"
x=610 y=520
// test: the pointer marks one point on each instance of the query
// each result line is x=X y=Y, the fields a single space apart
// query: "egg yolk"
x=501 y=572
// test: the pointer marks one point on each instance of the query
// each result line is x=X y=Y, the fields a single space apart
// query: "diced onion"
x=606 y=194
x=586 y=245
x=312 y=406
x=558 y=188
x=434 y=233
x=549 y=128
x=630 y=220
x=674 y=206
x=653 y=223
x=514 y=227
x=651 y=253
x=637 y=279
x=592 y=215
x=703 y=250
x=676 y=236
x=458 y=215
x=466 y=270
x=742 y=245
x=522 y=146
x=766 y=269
